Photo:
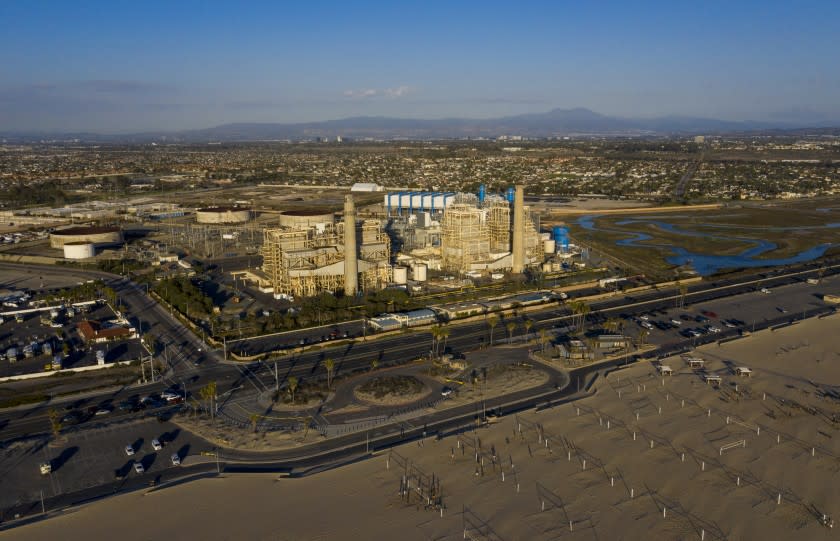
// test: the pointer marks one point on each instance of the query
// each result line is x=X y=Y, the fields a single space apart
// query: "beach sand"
x=585 y=473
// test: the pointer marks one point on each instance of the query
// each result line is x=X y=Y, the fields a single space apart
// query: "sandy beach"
x=645 y=457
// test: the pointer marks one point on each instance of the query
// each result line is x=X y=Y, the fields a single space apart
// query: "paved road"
x=194 y=368
x=788 y=289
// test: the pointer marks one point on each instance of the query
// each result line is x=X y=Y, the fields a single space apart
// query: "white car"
x=446 y=391
x=676 y=322
x=46 y=468
x=169 y=396
x=714 y=329
x=156 y=445
x=765 y=290
x=176 y=460
x=129 y=450
x=139 y=467
x=644 y=317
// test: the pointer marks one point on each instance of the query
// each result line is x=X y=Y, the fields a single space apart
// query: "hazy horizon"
x=159 y=67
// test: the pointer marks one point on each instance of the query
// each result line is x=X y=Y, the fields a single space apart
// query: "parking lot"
x=91 y=457
x=742 y=312
x=51 y=336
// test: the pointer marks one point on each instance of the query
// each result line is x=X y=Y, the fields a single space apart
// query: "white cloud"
x=366 y=93
x=400 y=91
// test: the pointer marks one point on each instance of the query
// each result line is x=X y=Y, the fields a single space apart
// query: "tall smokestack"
x=351 y=263
x=518 y=231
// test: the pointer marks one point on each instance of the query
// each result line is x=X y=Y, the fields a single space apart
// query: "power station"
x=309 y=258
x=311 y=252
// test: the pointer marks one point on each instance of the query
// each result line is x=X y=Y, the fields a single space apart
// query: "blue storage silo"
x=510 y=194
x=561 y=238
x=482 y=192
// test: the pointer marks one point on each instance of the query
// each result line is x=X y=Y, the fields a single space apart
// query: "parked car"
x=129 y=450
x=138 y=467
x=176 y=460
x=156 y=445
x=45 y=468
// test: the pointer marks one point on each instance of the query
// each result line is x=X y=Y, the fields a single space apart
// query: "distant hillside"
x=557 y=122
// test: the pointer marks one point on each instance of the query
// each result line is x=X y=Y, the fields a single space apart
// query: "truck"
x=834 y=299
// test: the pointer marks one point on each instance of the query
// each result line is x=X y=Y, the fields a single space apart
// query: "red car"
x=708 y=313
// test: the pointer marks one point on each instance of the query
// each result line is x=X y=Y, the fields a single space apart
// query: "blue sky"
x=122 y=66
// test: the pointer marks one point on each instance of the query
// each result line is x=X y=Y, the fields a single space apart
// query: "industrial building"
x=79 y=250
x=310 y=257
x=222 y=215
x=465 y=233
x=392 y=322
x=98 y=236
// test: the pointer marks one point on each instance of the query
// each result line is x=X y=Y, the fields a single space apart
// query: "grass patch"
x=383 y=386
x=23 y=400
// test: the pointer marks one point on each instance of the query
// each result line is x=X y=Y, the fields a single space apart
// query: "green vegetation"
x=383 y=386
x=182 y=294
x=23 y=400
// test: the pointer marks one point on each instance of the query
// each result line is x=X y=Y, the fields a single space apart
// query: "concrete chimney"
x=351 y=263
x=518 y=247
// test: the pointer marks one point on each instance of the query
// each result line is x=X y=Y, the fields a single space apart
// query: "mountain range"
x=554 y=123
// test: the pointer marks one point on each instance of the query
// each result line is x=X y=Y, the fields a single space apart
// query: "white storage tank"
x=79 y=250
x=419 y=272
x=548 y=246
x=400 y=275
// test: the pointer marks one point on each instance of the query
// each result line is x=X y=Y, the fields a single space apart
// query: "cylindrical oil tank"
x=78 y=250
x=548 y=246
x=89 y=234
x=561 y=237
x=400 y=275
x=420 y=272
x=304 y=218
x=222 y=215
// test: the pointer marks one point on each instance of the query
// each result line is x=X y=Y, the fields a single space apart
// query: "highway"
x=788 y=289
x=194 y=368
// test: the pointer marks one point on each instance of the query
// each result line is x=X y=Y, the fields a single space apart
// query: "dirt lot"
x=769 y=473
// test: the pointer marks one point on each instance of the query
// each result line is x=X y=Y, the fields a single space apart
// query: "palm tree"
x=55 y=422
x=543 y=339
x=374 y=364
x=611 y=325
x=528 y=324
x=208 y=394
x=444 y=333
x=683 y=290
x=255 y=419
x=329 y=365
x=584 y=311
x=435 y=339
x=574 y=307
x=492 y=321
x=643 y=334
x=510 y=326
x=293 y=385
